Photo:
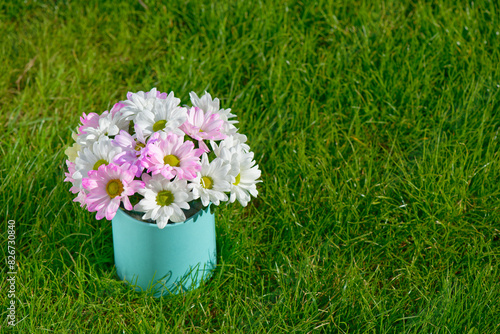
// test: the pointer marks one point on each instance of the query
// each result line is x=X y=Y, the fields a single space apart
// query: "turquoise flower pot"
x=164 y=261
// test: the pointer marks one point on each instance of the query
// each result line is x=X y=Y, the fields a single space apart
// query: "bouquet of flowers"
x=155 y=157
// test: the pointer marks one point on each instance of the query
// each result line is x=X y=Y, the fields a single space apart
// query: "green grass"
x=376 y=128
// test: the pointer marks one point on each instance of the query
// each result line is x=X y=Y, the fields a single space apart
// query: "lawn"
x=375 y=125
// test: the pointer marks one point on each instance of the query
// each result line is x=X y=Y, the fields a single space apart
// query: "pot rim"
x=155 y=225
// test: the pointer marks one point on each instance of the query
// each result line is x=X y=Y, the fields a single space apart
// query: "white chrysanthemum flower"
x=165 y=114
x=230 y=142
x=245 y=174
x=163 y=200
x=210 y=106
x=138 y=102
x=212 y=182
x=109 y=124
x=101 y=152
x=246 y=180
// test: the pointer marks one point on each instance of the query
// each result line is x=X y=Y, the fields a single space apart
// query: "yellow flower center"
x=160 y=125
x=99 y=163
x=171 y=160
x=237 y=181
x=114 y=188
x=139 y=146
x=164 y=198
x=207 y=182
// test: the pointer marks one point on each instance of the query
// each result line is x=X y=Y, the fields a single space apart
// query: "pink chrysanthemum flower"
x=116 y=108
x=170 y=155
x=201 y=126
x=81 y=198
x=71 y=171
x=107 y=124
x=210 y=107
x=133 y=149
x=88 y=121
x=108 y=186
x=75 y=185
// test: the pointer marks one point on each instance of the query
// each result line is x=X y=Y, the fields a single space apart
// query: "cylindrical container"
x=164 y=261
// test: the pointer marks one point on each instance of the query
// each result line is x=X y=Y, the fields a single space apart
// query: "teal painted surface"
x=169 y=260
